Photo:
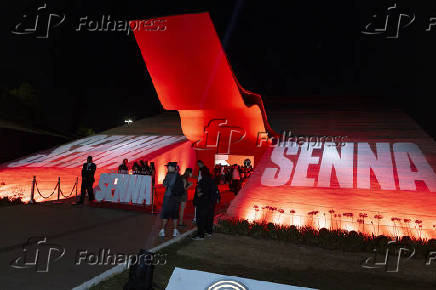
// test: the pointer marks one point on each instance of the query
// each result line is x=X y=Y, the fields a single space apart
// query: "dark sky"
x=290 y=51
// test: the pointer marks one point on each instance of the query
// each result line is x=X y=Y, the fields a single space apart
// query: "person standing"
x=248 y=168
x=145 y=169
x=152 y=172
x=200 y=165
x=202 y=201
x=123 y=168
x=222 y=175
x=88 y=171
x=214 y=200
x=136 y=169
x=236 y=179
x=187 y=184
x=174 y=189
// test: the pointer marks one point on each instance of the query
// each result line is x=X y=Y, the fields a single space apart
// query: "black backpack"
x=215 y=193
x=178 y=187
x=141 y=274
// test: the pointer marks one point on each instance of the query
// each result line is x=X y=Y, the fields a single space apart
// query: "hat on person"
x=172 y=164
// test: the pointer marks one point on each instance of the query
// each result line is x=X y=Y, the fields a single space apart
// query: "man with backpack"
x=174 y=189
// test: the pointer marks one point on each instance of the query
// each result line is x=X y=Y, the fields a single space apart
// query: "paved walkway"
x=73 y=228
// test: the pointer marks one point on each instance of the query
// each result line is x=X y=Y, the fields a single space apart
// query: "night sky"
x=289 y=53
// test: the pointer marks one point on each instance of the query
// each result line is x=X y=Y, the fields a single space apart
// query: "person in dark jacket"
x=174 y=189
x=145 y=169
x=184 y=198
x=214 y=199
x=152 y=173
x=136 y=169
x=88 y=171
x=123 y=168
x=235 y=174
x=200 y=165
x=202 y=201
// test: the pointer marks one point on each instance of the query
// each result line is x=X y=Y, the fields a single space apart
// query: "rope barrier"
x=58 y=187
x=45 y=197
x=71 y=193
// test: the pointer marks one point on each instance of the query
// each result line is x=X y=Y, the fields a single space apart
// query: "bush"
x=8 y=201
x=328 y=239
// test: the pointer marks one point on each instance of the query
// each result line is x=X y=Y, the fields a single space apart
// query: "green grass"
x=278 y=261
x=162 y=273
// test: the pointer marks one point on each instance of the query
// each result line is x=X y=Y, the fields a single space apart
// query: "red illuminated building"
x=379 y=179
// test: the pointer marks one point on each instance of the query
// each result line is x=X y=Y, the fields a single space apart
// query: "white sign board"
x=124 y=188
x=199 y=280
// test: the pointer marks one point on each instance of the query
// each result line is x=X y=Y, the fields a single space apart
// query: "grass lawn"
x=283 y=262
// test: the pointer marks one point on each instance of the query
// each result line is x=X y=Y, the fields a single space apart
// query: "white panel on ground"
x=199 y=280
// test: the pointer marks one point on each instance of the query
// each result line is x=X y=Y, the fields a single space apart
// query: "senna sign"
x=383 y=166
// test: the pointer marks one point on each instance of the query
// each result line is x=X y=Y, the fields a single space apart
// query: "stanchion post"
x=77 y=185
x=32 y=192
x=152 y=199
x=59 y=188
x=59 y=191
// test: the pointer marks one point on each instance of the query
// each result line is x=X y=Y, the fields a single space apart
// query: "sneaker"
x=176 y=233
x=207 y=235
x=162 y=233
x=197 y=238
x=194 y=220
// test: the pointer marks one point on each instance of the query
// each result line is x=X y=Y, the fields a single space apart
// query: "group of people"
x=206 y=194
x=137 y=168
x=205 y=198
x=233 y=175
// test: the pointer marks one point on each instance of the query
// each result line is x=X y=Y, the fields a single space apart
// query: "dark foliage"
x=349 y=241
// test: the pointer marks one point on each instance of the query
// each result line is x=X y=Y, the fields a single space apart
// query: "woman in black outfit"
x=187 y=184
x=202 y=200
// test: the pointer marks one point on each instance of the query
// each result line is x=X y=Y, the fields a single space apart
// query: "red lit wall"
x=376 y=188
x=108 y=151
